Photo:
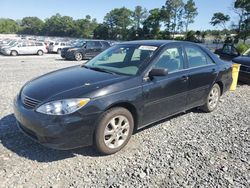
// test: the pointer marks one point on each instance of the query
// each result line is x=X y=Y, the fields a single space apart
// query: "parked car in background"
x=11 y=43
x=227 y=52
x=25 y=48
x=58 y=46
x=244 y=61
x=85 y=50
x=125 y=88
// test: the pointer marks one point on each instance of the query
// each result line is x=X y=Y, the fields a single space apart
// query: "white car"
x=58 y=46
x=25 y=48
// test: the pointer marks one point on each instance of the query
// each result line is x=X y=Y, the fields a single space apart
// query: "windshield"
x=123 y=59
x=247 y=53
x=12 y=43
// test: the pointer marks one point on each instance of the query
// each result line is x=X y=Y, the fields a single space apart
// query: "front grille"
x=29 y=102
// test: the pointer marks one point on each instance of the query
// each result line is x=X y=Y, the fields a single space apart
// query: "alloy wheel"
x=116 y=132
x=213 y=97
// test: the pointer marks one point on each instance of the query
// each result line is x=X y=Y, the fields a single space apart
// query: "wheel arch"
x=131 y=108
x=221 y=86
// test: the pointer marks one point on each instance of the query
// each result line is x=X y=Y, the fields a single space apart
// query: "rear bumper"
x=57 y=132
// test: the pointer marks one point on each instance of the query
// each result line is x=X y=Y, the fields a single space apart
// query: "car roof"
x=155 y=42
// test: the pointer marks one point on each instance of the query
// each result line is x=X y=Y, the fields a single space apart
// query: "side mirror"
x=158 y=72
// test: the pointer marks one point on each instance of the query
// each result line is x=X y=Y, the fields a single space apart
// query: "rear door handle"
x=184 y=78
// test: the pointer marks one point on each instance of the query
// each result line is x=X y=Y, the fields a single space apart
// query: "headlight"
x=62 y=107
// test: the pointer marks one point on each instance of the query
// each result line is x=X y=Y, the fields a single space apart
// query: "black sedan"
x=85 y=50
x=244 y=61
x=123 y=89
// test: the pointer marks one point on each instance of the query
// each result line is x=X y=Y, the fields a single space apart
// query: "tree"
x=32 y=25
x=172 y=14
x=8 y=26
x=58 y=25
x=139 y=15
x=220 y=19
x=118 y=20
x=85 y=27
x=101 y=32
x=242 y=8
x=190 y=12
x=151 y=26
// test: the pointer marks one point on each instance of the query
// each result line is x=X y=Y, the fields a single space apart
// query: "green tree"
x=85 y=27
x=242 y=8
x=220 y=19
x=8 y=26
x=172 y=14
x=32 y=25
x=151 y=26
x=118 y=20
x=139 y=15
x=101 y=32
x=58 y=25
x=190 y=12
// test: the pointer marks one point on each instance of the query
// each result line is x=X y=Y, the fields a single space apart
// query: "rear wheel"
x=114 y=130
x=13 y=53
x=213 y=99
x=78 y=56
x=40 y=52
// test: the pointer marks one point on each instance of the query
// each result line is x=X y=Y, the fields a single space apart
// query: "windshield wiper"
x=98 y=69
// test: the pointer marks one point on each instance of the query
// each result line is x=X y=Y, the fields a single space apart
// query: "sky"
x=17 y=9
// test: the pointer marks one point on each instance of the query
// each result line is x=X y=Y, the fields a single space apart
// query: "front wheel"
x=114 y=130
x=213 y=99
x=14 y=53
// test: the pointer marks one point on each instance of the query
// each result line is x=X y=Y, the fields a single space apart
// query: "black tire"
x=78 y=56
x=39 y=52
x=210 y=106
x=59 y=51
x=104 y=123
x=14 y=53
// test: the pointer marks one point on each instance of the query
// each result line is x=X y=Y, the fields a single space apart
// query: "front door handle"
x=184 y=78
x=213 y=71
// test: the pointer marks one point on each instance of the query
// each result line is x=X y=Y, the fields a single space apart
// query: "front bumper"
x=4 y=52
x=70 y=55
x=57 y=132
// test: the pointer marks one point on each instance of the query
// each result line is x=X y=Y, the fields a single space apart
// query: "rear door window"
x=196 y=57
x=97 y=44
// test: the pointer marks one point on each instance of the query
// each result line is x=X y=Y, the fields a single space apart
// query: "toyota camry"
x=125 y=88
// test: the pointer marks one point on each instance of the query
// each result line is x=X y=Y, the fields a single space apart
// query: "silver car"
x=25 y=48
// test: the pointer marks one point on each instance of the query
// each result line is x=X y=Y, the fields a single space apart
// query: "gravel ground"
x=194 y=149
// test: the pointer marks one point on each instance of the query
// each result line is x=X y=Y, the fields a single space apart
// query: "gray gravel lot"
x=194 y=149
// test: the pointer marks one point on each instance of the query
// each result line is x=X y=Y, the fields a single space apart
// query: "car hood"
x=73 y=79
x=243 y=60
